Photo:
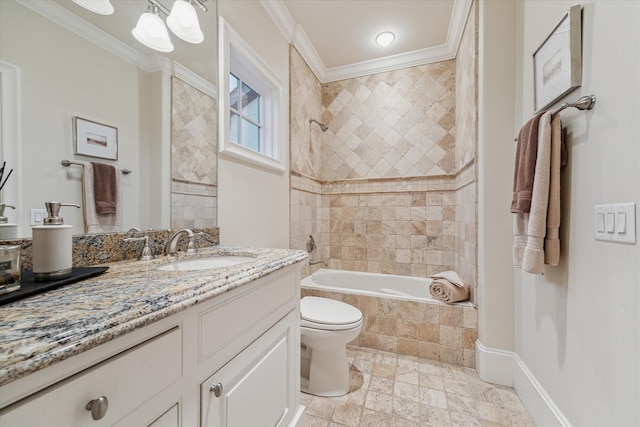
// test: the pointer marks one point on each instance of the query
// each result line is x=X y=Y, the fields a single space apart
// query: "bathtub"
x=378 y=285
x=400 y=316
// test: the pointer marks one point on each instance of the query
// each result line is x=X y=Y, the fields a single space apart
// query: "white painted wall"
x=496 y=93
x=577 y=328
x=254 y=202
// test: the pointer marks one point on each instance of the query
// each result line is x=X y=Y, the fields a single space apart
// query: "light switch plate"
x=612 y=215
x=38 y=216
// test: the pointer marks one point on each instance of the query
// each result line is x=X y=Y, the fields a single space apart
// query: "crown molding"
x=298 y=38
x=388 y=63
x=194 y=80
x=459 y=15
x=308 y=52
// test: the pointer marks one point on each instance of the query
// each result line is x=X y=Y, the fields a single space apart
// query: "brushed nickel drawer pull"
x=98 y=407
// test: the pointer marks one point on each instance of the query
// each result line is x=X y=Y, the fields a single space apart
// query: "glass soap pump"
x=52 y=245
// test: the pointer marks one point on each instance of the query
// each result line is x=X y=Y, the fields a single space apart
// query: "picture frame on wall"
x=95 y=139
x=557 y=63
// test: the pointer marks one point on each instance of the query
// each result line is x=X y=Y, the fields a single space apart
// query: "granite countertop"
x=44 y=329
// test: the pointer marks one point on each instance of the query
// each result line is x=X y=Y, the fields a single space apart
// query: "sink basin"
x=205 y=263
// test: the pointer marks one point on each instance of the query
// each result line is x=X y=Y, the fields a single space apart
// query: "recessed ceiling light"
x=385 y=39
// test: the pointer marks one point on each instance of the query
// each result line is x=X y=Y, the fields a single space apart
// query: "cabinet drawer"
x=222 y=323
x=127 y=380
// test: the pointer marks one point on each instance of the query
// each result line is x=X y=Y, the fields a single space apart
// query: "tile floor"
x=394 y=390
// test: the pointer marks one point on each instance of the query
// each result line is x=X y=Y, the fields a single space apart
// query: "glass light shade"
x=385 y=39
x=103 y=7
x=183 y=22
x=151 y=32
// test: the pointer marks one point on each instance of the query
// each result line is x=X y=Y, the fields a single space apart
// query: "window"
x=251 y=111
x=244 y=114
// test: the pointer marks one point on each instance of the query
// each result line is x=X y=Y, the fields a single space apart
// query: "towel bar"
x=583 y=103
x=67 y=163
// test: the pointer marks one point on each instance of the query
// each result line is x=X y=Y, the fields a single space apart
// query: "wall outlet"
x=38 y=216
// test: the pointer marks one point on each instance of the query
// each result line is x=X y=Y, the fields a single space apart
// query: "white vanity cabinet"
x=230 y=361
x=254 y=388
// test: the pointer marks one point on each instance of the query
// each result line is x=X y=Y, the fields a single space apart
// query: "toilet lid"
x=328 y=312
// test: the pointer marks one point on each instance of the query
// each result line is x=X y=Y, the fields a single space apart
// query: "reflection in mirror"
x=59 y=61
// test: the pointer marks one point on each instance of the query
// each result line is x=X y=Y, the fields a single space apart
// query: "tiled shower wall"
x=395 y=124
x=306 y=189
x=466 y=152
x=383 y=199
x=400 y=226
x=193 y=157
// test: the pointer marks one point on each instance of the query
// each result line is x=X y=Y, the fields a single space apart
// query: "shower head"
x=322 y=125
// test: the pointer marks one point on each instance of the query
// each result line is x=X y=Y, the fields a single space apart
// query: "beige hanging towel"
x=536 y=234
x=525 y=165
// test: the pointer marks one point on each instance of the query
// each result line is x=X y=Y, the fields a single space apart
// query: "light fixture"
x=385 y=38
x=183 y=22
x=103 y=7
x=151 y=31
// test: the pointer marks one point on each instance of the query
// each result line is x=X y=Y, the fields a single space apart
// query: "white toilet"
x=326 y=327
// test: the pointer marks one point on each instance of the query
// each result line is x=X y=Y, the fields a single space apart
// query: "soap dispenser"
x=52 y=246
x=7 y=230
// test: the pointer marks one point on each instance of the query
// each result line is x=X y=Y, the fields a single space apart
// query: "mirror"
x=59 y=61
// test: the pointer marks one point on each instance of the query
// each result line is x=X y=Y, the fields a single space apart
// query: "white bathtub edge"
x=508 y=369
x=308 y=282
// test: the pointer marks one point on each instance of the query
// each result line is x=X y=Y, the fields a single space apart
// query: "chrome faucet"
x=172 y=244
x=314 y=262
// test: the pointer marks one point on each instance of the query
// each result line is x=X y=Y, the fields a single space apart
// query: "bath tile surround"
x=430 y=330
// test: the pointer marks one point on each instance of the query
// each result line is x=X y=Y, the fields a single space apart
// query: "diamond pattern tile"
x=406 y=112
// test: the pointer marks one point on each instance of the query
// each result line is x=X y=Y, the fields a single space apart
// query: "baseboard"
x=495 y=366
x=298 y=417
x=506 y=368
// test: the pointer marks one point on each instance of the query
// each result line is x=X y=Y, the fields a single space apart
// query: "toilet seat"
x=328 y=314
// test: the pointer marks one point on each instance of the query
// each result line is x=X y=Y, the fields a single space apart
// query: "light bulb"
x=103 y=7
x=385 y=39
x=151 y=32
x=183 y=22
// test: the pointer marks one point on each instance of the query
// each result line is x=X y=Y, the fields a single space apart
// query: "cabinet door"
x=254 y=388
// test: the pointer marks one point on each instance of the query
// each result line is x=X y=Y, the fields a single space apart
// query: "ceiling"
x=337 y=37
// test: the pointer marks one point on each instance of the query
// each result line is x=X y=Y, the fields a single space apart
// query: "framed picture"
x=95 y=139
x=557 y=63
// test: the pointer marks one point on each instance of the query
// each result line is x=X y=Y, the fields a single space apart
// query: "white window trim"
x=232 y=49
